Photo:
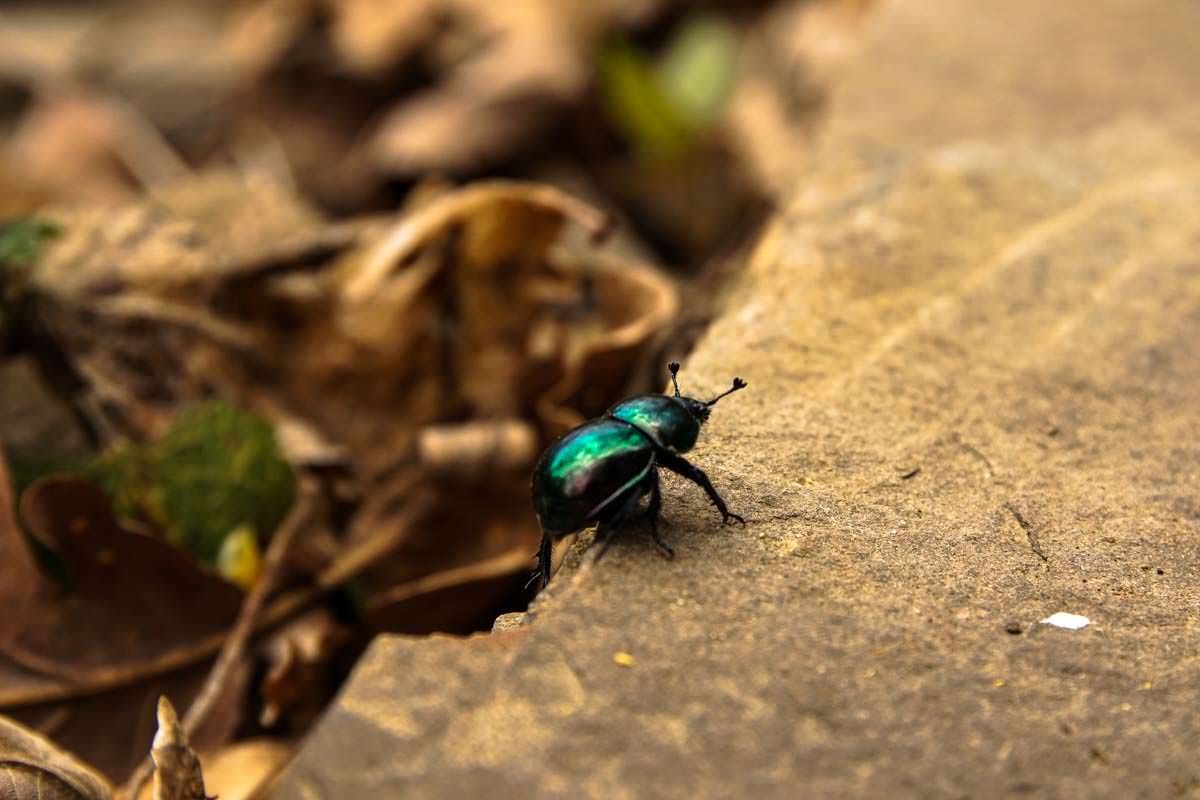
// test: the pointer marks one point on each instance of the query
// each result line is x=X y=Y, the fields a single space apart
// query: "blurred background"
x=360 y=258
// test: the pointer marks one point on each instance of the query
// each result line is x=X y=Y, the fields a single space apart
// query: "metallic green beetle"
x=600 y=471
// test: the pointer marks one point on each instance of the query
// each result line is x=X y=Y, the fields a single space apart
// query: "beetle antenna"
x=738 y=383
x=674 y=367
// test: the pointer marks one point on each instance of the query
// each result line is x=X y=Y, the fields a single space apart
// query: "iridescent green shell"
x=664 y=419
x=585 y=474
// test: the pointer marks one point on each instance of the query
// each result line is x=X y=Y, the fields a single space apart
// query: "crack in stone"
x=1030 y=533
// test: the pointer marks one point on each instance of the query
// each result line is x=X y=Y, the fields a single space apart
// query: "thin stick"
x=234 y=649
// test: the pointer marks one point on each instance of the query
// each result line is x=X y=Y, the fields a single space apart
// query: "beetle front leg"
x=680 y=466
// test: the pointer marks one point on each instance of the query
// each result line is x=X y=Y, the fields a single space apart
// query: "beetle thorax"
x=671 y=422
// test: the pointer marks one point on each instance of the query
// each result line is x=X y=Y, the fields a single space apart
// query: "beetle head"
x=700 y=409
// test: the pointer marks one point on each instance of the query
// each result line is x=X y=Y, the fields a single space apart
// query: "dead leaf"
x=136 y=618
x=67 y=147
x=177 y=773
x=18 y=570
x=33 y=768
x=372 y=36
x=243 y=771
x=128 y=592
x=527 y=61
x=298 y=681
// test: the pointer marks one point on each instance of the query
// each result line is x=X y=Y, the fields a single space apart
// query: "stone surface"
x=971 y=343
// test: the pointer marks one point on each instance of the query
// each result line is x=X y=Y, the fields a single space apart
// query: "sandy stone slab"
x=971 y=341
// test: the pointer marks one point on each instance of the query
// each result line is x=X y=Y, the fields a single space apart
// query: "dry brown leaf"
x=129 y=594
x=18 y=571
x=507 y=71
x=177 y=773
x=528 y=59
x=89 y=658
x=257 y=35
x=166 y=60
x=67 y=148
x=33 y=768
x=243 y=771
x=372 y=36
x=298 y=680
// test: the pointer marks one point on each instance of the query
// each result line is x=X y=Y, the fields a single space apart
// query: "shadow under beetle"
x=600 y=471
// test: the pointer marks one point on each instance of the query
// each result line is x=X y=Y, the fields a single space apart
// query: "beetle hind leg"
x=607 y=531
x=545 y=554
x=653 y=513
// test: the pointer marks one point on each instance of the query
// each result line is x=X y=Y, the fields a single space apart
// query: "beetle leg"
x=652 y=514
x=604 y=535
x=680 y=466
x=609 y=527
x=544 y=557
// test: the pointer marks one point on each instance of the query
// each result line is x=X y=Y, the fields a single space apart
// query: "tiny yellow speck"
x=999 y=682
x=240 y=559
x=623 y=659
x=1147 y=685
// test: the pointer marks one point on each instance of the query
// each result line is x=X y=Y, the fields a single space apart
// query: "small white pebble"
x=1071 y=622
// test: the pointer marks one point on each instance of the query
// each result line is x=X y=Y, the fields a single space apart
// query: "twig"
x=368 y=551
x=234 y=648
x=495 y=567
x=143 y=148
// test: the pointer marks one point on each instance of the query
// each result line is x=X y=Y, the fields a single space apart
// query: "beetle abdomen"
x=585 y=469
x=664 y=419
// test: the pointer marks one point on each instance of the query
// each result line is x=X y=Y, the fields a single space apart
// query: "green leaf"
x=696 y=73
x=663 y=108
x=217 y=469
x=21 y=239
x=637 y=105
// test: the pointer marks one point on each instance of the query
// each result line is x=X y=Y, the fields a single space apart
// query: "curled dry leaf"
x=33 y=768
x=298 y=681
x=177 y=773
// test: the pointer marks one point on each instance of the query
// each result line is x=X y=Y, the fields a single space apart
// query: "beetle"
x=600 y=471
